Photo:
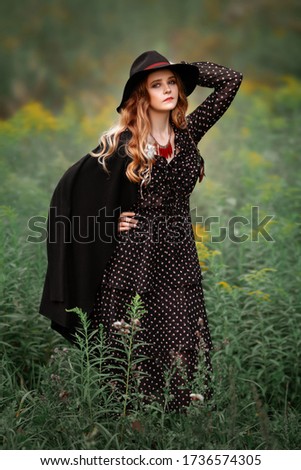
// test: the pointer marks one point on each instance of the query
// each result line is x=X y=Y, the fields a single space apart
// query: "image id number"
x=222 y=459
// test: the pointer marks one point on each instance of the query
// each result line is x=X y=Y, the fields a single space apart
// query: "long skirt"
x=173 y=339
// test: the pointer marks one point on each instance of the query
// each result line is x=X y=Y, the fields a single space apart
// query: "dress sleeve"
x=226 y=83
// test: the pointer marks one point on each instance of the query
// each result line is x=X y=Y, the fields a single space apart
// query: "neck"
x=160 y=126
x=161 y=133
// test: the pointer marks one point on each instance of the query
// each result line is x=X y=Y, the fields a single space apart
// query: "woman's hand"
x=126 y=221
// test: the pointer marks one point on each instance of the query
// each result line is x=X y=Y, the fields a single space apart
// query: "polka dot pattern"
x=226 y=83
x=158 y=258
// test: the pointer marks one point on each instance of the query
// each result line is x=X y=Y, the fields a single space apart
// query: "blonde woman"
x=130 y=197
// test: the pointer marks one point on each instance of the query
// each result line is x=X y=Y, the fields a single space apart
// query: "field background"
x=63 y=67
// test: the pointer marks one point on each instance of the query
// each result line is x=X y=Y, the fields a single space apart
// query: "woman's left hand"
x=126 y=221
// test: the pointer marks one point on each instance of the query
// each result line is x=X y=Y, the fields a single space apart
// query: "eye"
x=156 y=85
x=172 y=82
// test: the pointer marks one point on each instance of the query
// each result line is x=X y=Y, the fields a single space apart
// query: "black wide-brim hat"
x=149 y=62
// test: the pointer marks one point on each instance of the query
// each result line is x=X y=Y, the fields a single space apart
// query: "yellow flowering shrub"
x=225 y=285
x=32 y=117
x=200 y=233
x=259 y=294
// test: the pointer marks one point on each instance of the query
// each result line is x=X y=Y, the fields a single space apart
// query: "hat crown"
x=147 y=60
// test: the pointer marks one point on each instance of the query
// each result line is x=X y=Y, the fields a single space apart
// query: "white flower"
x=135 y=321
x=122 y=326
x=196 y=397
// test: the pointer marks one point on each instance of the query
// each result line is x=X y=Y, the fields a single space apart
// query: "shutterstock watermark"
x=234 y=226
x=152 y=229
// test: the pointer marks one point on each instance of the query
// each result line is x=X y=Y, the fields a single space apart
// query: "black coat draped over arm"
x=82 y=229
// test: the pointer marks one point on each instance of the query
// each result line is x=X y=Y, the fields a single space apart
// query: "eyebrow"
x=160 y=79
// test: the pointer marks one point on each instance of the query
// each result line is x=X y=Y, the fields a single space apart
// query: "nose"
x=167 y=88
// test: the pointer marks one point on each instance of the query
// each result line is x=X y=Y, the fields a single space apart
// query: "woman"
x=142 y=174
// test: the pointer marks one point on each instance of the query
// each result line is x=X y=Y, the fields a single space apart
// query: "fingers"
x=126 y=221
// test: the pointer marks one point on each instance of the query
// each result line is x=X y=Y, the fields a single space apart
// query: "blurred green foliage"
x=51 y=49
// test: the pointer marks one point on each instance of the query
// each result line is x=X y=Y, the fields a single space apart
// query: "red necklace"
x=163 y=150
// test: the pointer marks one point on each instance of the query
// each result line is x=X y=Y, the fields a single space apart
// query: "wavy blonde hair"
x=134 y=117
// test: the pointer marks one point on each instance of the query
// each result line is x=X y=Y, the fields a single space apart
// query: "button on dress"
x=158 y=260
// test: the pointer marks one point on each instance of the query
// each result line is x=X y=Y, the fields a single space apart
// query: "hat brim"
x=188 y=74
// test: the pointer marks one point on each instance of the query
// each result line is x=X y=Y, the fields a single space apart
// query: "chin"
x=170 y=106
x=164 y=107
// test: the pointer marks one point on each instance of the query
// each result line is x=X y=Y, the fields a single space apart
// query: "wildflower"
x=215 y=252
x=173 y=354
x=63 y=395
x=225 y=285
x=260 y=295
x=201 y=322
x=122 y=326
x=200 y=233
x=33 y=116
x=196 y=397
x=55 y=378
x=124 y=331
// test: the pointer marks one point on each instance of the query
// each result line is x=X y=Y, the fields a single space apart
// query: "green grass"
x=54 y=398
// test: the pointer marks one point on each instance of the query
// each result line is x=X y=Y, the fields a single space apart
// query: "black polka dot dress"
x=158 y=260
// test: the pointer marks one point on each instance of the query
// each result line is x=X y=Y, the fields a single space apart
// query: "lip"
x=170 y=98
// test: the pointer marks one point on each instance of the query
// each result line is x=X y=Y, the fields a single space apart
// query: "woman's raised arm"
x=226 y=83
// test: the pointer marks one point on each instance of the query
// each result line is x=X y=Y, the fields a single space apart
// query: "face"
x=163 y=90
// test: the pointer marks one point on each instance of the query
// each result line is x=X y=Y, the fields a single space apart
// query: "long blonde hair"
x=134 y=117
